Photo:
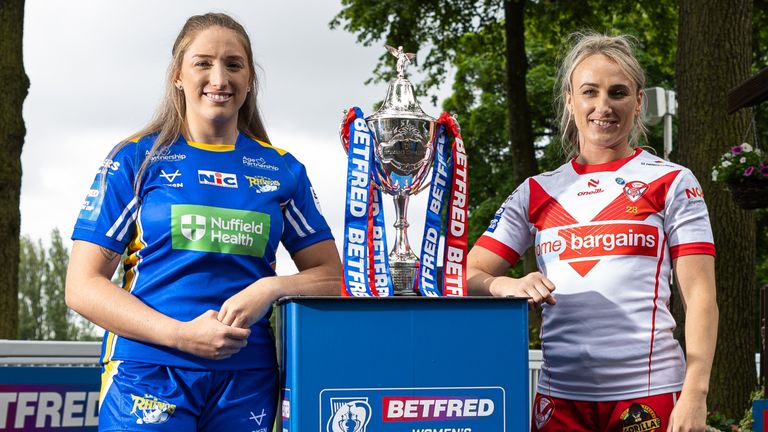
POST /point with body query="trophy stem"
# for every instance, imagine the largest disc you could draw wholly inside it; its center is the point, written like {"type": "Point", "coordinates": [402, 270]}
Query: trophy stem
{"type": "Point", "coordinates": [402, 260]}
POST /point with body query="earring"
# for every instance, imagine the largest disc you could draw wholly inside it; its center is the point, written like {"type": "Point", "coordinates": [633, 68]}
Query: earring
{"type": "Point", "coordinates": [180, 88]}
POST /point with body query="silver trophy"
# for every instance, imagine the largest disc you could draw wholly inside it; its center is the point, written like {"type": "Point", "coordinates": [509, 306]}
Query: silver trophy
{"type": "Point", "coordinates": [404, 149]}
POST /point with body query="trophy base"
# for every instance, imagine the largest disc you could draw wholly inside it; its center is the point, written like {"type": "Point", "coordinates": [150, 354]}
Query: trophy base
{"type": "Point", "coordinates": [404, 278]}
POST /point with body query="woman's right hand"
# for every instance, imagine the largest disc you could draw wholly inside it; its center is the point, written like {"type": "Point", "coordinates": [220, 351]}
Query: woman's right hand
{"type": "Point", "coordinates": [534, 285]}
{"type": "Point", "coordinates": [206, 337]}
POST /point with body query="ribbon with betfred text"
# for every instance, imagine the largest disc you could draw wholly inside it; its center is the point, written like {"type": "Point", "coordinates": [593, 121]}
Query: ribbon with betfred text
{"type": "Point", "coordinates": [450, 168]}
{"type": "Point", "coordinates": [366, 268]}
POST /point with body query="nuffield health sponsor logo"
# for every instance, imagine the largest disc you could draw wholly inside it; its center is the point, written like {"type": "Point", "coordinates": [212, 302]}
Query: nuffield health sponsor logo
{"type": "Point", "coordinates": [216, 229]}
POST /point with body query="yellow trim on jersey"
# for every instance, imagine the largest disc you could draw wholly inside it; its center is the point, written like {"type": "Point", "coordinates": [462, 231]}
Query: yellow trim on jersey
{"type": "Point", "coordinates": [109, 345]}
{"type": "Point", "coordinates": [110, 370]}
{"type": "Point", "coordinates": [129, 283]}
{"type": "Point", "coordinates": [268, 145]}
{"type": "Point", "coordinates": [212, 147]}
{"type": "Point", "coordinates": [134, 247]}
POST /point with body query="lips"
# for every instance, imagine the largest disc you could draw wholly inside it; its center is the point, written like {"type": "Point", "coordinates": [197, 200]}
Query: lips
{"type": "Point", "coordinates": [604, 123]}
{"type": "Point", "coordinates": [218, 97]}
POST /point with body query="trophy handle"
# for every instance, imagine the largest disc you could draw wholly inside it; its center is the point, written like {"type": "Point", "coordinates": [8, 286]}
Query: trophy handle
{"type": "Point", "coordinates": [423, 186]}
{"type": "Point", "coordinates": [344, 139]}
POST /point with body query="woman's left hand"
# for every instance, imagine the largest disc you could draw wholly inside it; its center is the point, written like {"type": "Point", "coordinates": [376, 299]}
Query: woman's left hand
{"type": "Point", "coordinates": [689, 414]}
{"type": "Point", "coordinates": [249, 305]}
{"type": "Point", "coordinates": [319, 274]}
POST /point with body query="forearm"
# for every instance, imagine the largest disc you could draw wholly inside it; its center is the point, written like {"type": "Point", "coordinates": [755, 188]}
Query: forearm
{"type": "Point", "coordinates": [700, 340]}
{"type": "Point", "coordinates": [479, 282]}
{"type": "Point", "coordinates": [324, 280]}
{"type": "Point", "coordinates": [109, 306]}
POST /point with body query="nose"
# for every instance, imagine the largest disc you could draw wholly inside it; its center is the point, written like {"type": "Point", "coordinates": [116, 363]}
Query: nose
{"type": "Point", "coordinates": [603, 104]}
{"type": "Point", "coordinates": [218, 77]}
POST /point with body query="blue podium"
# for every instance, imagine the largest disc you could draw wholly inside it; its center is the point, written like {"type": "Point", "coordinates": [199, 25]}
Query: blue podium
{"type": "Point", "coordinates": [404, 364]}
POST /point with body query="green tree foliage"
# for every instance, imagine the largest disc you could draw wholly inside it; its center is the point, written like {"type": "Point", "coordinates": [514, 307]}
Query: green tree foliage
{"type": "Point", "coordinates": [43, 314]}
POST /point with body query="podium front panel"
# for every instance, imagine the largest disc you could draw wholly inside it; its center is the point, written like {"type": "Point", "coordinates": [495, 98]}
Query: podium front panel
{"type": "Point", "coordinates": [404, 364]}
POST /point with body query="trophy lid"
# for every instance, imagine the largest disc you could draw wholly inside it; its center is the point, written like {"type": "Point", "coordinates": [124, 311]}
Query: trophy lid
{"type": "Point", "coordinates": [400, 100]}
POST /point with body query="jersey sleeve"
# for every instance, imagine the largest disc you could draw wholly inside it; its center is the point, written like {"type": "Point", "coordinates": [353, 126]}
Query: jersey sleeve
{"type": "Point", "coordinates": [686, 221]}
{"type": "Point", "coordinates": [110, 207]}
{"type": "Point", "coordinates": [509, 233]}
{"type": "Point", "coordinates": [304, 222]}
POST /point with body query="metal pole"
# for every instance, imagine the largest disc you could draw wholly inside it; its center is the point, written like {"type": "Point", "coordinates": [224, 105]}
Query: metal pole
{"type": "Point", "coordinates": [667, 135]}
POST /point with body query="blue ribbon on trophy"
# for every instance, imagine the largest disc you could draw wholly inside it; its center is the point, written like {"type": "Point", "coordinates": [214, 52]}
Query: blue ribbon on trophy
{"type": "Point", "coordinates": [393, 151]}
{"type": "Point", "coordinates": [441, 177]}
{"type": "Point", "coordinates": [364, 218]}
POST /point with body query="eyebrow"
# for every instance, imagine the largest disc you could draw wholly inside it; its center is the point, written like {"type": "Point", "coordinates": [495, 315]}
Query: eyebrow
{"type": "Point", "coordinates": [229, 57]}
{"type": "Point", "coordinates": [589, 84]}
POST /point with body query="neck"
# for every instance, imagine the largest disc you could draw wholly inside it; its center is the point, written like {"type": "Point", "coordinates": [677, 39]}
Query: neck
{"type": "Point", "coordinates": [593, 156]}
{"type": "Point", "coordinates": [211, 133]}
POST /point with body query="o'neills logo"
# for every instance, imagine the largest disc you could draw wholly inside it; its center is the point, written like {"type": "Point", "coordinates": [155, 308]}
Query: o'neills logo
{"type": "Point", "coordinates": [593, 241]}
{"type": "Point", "coordinates": [413, 408]}
{"type": "Point", "coordinates": [594, 188]}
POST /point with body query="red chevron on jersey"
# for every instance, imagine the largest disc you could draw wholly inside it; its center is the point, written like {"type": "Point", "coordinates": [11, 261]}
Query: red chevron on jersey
{"type": "Point", "coordinates": [650, 200]}
{"type": "Point", "coordinates": [545, 212]}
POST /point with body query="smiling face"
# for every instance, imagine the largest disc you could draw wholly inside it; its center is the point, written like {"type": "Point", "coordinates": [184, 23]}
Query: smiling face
{"type": "Point", "coordinates": [604, 103]}
{"type": "Point", "coordinates": [215, 76]}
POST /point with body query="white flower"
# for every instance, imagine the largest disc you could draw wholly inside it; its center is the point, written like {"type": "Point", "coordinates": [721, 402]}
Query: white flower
{"type": "Point", "coordinates": [746, 147]}
{"type": "Point", "coordinates": [728, 155]}
{"type": "Point", "coordinates": [714, 175]}
{"type": "Point", "coordinates": [725, 164]}
{"type": "Point", "coordinates": [743, 160]}
{"type": "Point", "coordinates": [758, 152]}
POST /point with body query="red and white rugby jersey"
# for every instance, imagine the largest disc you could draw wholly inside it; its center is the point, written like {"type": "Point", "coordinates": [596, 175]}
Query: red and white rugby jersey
{"type": "Point", "coordinates": [606, 236]}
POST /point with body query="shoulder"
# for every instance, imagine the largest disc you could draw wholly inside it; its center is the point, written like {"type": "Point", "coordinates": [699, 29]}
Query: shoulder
{"type": "Point", "coordinates": [268, 150]}
{"type": "Point", "coordinates": [664, 171]}
{"type": "Point", "coordinates": [651, 161]}
{"type": "Point", "coordinates": [253, 143]}
{"type": "Point", "coordinates": [548, 178]}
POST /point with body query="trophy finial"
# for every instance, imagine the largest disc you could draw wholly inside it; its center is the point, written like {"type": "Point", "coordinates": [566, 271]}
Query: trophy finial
{"type": "Point", "coordinates": [403, 58]}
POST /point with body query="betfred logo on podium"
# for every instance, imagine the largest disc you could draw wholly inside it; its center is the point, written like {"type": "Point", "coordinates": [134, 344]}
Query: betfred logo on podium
{"type": "Point", "coordinates": [433, 409]}
{"type": "Point", "coordinates": [411, 408]}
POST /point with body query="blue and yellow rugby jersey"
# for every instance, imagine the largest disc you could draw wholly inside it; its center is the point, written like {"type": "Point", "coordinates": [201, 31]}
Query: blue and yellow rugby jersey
{"type": "Point", "coordinates": [206, 224]}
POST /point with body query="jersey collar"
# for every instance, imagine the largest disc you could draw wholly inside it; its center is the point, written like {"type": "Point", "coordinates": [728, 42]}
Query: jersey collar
{"type": "Point", "coordinates": [608, 166]}
{"type": "Point", "coordinates": [213, 147]}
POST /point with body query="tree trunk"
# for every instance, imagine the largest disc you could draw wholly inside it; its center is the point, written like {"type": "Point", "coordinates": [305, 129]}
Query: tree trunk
{"type": "Point", "coordinates": [519, 115]}
{"type": "Point", "coordinates": [12, 131]}
{"type": "Point", "coordinates": [523, 158]}
{"type": "Point", "coordinates": [714, 55]}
